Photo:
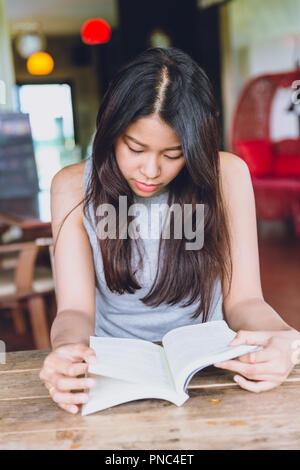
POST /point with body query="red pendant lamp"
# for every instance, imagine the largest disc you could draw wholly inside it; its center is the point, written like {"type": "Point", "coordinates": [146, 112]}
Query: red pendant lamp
{"type": "Point", "coordinates": [95, 31]}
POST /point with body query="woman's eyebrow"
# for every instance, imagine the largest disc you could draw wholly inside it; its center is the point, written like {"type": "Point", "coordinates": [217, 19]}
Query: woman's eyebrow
{"type": "Point", "coordinates": [143, 145]}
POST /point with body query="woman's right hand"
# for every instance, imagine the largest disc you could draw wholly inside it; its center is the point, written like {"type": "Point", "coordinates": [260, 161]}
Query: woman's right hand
{"type": "Point", "coordinates": [59, 373]}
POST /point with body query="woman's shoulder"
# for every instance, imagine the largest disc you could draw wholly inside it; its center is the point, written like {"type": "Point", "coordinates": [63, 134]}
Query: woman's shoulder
{"type": "Point", "coordinates": [67, 188]}
{"type": "Point", "coordinates": [235, 178]}
{"type": "Point", "coordinates": [70, 179]}
{"type": "Point", "coordinates": [230, 162]}
{"type": "Point", "coordinates": [233, 168]}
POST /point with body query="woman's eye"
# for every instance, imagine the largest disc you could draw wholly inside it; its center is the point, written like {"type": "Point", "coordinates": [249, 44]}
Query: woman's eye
{"type": "Point", "coordinates": [173, 158]}
{"type": "Point", "coordinates": [141, 151]}
{"type": "Point", "coordinates": [135, 151]}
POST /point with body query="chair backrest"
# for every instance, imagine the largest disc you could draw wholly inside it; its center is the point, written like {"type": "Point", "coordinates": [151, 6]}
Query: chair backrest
{"type": "Point", "coordinates": [24, 265]}
{"type": "Point", "coordinates": [44, 241]}
{"type": "Point", "coordinates": [251, 118]}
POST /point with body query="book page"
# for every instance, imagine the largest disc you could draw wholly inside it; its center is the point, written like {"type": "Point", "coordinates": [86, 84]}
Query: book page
{"type": "Point", "coordinates": [110, 392]}
{"type": "Point", "coordinates": [193, 347]}
{"type": "Point", "coordinates": [132, 360]}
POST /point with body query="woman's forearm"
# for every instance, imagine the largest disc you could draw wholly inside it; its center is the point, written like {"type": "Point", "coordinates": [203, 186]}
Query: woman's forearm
{"type": "Point", "coordinates": [254, 314]}
{"type": "Point", "coordinates": [71, 327]}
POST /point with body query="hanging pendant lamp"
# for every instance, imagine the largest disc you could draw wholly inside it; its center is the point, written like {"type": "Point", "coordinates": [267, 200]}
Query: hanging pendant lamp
{"type": "Point", "coordinates": [40, 63]}
{"type": "Point", "coordinates": [95, 31]}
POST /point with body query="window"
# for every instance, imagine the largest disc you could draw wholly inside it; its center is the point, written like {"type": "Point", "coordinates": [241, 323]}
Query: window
{"type": "Point", "coordinates": [52, 124]}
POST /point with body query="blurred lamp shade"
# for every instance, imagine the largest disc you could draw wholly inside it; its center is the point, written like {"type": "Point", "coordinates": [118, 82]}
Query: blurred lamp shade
{"type": "Point", "coordinates": [29, 43]}
{"type": "Point", "coordinates": [40, 63]}
{"type": "Point", "coordinates": [95, 31]}
{"type": "Point", "coordinates": [159, 38]}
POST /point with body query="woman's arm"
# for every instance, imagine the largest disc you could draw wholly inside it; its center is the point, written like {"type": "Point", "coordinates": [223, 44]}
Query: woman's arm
{"type": "Point", "coordinates": [64, 367]}
{"type": "Point", "coordinates": [74, 269]}
{"type": "Point", "coordinates": [244, 307]}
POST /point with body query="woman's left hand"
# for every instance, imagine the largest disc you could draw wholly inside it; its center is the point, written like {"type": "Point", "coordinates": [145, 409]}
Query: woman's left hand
{"type": "Point", "coordinates": [270, 366]}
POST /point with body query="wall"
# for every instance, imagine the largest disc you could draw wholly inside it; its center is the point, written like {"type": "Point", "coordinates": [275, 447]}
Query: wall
{"type": "Point", "coordinates": [7, 79]}
{"type": "Point", "coordinates": [85, 80]}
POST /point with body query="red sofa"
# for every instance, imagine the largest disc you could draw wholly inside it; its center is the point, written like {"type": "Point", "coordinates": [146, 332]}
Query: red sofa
{"type": "Point", "coordinates": [267, 159]}
{"type": "Point", "coordinates": [275, 173]}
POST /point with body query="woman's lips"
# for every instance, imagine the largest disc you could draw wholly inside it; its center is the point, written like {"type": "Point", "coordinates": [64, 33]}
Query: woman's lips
{"type": "Point", "coordinates": [146, 187]}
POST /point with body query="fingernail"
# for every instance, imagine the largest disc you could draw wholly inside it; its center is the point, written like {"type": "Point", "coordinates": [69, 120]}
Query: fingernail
{"type": "Point", "coordinates": [73, 409]}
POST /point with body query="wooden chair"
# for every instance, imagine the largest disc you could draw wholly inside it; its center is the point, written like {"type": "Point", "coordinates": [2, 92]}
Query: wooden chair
{"type": "Point", "coordinates": [28, 283]}
{"type": "Point", "coordinates": [276, 184]}
{"type": "Point", "coordinates": [45, 241]}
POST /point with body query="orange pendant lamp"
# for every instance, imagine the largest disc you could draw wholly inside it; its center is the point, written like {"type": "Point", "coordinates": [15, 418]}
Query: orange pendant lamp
{"type": "Point", "coordinates": [95, 31]}
{"type": "Point", "coordinates": [40, 63]}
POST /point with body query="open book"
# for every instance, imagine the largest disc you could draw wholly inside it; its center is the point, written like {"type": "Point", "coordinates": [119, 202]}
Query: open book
{"type": "Point", "coordinates": [132, 369]}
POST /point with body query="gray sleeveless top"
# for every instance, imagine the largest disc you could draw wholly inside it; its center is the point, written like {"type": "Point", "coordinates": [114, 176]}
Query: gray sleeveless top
{"type": "Point", "coordinates": [125, 315]}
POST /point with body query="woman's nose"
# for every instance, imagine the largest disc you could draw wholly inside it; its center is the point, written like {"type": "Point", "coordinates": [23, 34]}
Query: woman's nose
{"type": "Point", "coordinates": [150, 168]}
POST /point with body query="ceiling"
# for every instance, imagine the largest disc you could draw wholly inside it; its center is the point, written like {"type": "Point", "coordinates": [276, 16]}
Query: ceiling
{"type": "Point", "coordinates": [65, 17]}
{"type": "Point", "coordinates": [58, 17]}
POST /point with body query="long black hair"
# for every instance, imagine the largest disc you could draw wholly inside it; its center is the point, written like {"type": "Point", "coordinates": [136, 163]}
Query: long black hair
{"type": "Point", "coordinates": [169, 83]}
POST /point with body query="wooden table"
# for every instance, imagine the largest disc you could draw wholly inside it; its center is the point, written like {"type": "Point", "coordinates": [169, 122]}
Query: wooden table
{"type": "Point", "coordinates": [218, 415]}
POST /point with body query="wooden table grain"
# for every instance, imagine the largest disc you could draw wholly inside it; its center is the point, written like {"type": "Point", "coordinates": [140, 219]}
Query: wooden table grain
{"type": "Point", "coordinates": [218, 415]}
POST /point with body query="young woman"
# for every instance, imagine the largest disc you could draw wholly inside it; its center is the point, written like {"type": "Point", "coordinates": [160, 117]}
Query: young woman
{"type": "Point", "coordinates": [157, 142]}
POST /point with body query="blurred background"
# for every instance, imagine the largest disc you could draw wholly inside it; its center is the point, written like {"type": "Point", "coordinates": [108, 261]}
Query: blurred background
{"type": "Point", "coordinates": [56, 59]}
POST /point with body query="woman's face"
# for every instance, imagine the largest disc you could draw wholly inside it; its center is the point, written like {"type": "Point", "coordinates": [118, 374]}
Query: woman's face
{"type": "Point", "coordinates": [149, 153]}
